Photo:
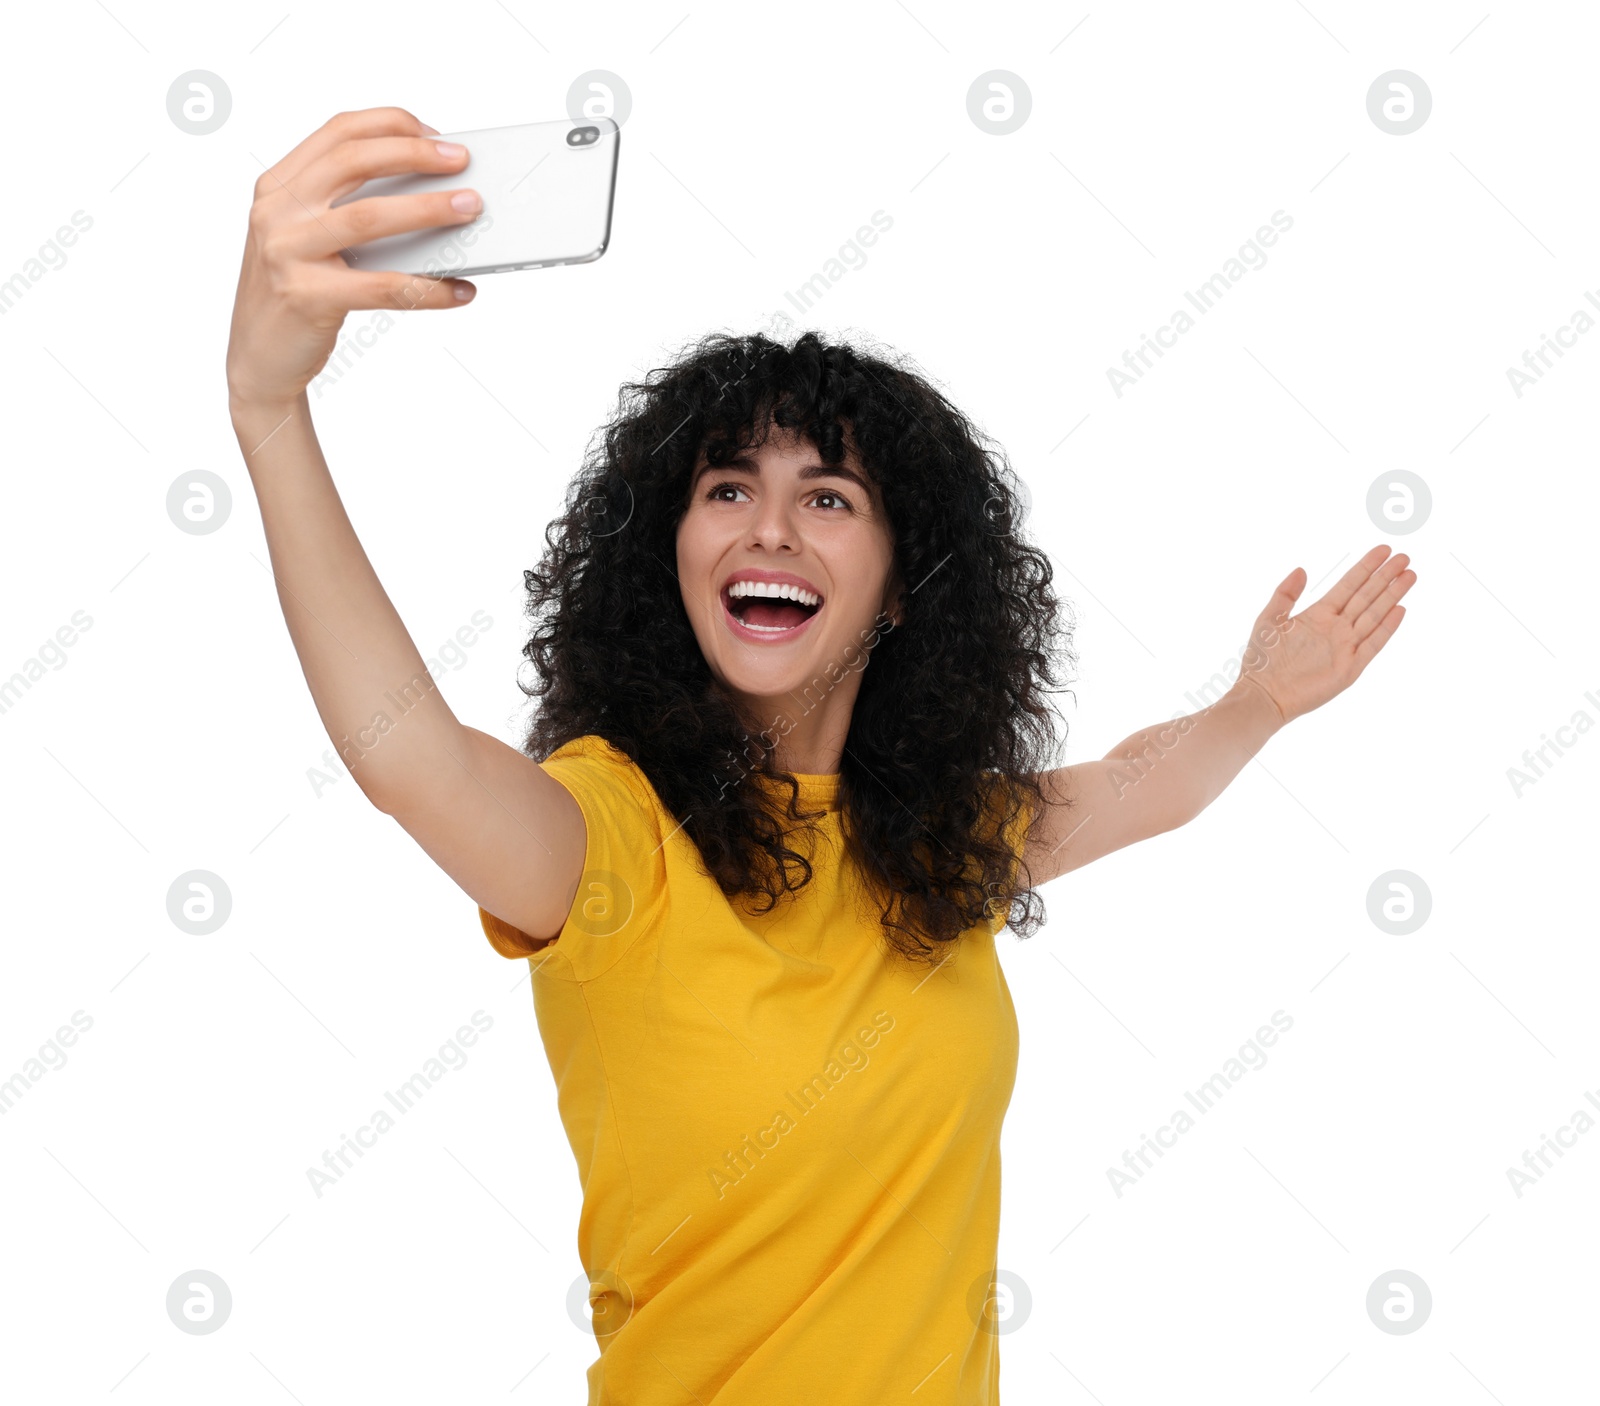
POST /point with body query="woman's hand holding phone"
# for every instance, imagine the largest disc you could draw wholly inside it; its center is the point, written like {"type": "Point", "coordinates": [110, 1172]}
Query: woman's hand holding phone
{"type": "Point", "coordinates": [294, 286]}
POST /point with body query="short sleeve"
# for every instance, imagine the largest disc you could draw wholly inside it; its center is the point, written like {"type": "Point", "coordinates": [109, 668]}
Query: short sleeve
{"type": "Point", "coordinates": [507, 940]}
{"type": "Point", "coordinates": [622, 890]}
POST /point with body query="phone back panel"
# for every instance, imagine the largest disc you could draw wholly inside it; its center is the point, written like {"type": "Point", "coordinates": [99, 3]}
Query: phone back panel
{"type": "Point", "coordinates": [544, 202]}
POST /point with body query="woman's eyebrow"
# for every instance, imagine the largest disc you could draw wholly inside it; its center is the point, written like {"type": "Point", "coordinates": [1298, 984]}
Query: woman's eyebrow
{"type": "Point", "coordinates": [748, 465]}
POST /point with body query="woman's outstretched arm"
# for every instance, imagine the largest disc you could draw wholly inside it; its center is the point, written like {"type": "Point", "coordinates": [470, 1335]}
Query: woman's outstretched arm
{"type": "Point", "coordinates": [1163, 776]}
{"type": "Point", "coordinates": [505, 830]}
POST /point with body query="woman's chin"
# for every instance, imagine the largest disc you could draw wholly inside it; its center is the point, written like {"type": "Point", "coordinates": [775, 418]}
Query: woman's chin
{"type": "Point", "coordinates": [786, 682]}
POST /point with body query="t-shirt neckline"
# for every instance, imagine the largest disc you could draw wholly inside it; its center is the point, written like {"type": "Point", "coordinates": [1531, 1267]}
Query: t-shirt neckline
{"type": "Point", "coordinates": [818, 790]}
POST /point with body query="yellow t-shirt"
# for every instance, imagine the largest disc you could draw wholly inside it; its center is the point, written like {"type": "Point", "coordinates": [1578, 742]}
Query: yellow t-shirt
{"type": "Point", "coordinates": [788, 1140]}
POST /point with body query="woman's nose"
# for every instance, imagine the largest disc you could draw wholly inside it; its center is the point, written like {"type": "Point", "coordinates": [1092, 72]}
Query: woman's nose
{"type": "Point", "coordinates": [774, 524]}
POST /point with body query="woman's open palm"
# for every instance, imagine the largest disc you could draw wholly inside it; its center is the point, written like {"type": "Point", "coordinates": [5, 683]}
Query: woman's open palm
{"type": "Point", "coordinates": [1302, 661]}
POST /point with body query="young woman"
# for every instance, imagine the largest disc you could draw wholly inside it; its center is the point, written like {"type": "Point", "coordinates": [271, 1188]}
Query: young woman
{"type": "Point", "coordinates": [788, 775]}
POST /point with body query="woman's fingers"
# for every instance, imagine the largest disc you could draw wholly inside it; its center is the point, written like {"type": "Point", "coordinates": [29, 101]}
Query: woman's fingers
{"type": "Point", "coordinates": [349, 290]}
{"type": "Point", "coordinates": [346, 226]}
{"type": "Point", "coordinates": [342, 127]}
{"type": "Point", "coordinates": [1352, 581]}
{"type": "Point", "coordinates": [1375, 585]}
{"type": "Point", "coordinates": [1377, 611]}
{"type": "Point", "coordinates": [1379, 637]}
{"type": "Point", "coordinates": [344, 167]}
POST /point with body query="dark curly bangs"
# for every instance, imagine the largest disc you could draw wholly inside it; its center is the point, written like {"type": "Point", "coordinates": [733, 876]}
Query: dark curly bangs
{"type": "Point", "coordinates": [953, 719]}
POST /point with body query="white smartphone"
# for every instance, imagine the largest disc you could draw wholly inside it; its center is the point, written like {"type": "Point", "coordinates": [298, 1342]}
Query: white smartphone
{"type": "Point", "coordinates": [547, 191]}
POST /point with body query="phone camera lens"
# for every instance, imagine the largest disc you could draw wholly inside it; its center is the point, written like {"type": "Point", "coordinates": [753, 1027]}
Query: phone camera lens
{"type": "Point", "coordinates": [583, 136]}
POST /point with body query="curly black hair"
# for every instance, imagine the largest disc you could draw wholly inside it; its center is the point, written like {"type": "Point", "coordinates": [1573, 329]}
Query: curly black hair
{"type": "Point", "coordinates": [951, 723]}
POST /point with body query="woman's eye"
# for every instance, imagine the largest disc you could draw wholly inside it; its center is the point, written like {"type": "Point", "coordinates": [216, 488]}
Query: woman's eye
{"type": "Point", "coordinates": [827, 499]}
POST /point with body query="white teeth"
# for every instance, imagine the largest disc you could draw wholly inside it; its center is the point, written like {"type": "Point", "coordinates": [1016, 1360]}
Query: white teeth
{"type": "Point", "coordinates": [768, 629]}
{"type": "Point", "coordinates": [773, 590]}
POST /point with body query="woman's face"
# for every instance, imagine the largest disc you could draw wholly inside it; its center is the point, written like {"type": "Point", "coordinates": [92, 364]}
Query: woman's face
{"type": "Point", "coordinates": [782, 518]}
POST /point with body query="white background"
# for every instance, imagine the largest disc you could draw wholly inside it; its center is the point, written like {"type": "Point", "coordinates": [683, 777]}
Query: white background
{"type": "Point", "coordinates": [179, 732]}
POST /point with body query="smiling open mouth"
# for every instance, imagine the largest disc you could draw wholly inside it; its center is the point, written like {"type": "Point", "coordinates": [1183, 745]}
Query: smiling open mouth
{"type": "Point", "coordinates": [765, 608]}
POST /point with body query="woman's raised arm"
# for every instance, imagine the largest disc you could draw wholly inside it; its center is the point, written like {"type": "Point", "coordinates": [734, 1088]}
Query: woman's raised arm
{"type": "Point", "coordinates": [1164, 776]}
{"type": "Point", "coordinates": [497, 823]}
